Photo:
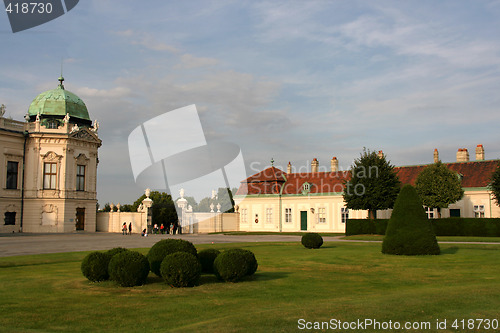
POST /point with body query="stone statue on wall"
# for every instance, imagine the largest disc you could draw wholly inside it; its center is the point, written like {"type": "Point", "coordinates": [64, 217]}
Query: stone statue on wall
{"type": "Point", "coordinates": [66, 118]}
{"type": "Point", "coordinates": [95, 126]}
{"type": "Point", "coordinates": [2, 110]}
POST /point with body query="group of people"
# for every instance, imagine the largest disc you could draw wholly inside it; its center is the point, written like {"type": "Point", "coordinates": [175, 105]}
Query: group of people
{"type": "Point", "coordinates": [172, 229]}
{"type": "Point", "coordinates": [127, 230]}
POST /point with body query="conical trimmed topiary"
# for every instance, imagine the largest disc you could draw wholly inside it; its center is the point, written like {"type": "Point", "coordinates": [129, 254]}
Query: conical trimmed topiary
{"type": "Point", "coordinates": [409, 232]}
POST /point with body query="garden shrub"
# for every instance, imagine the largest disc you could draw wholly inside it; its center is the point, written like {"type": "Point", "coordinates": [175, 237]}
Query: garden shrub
{"type": "Point", "coordinates": [116, 250]}
{"type": "Point", "coordinates": [249, 258]}
{"type": "Point", "coordinates": [95, 266]}
{"type": "Point", "coordinates": [448, 226]}
{"type": "Point", "coordinates": [161, 249]}
{"type": "Point", "coordinates": [231, 266]}
{"type": "Point", "coordinates": [312, 240]}
{"type": "Point", "coordinates": [365, 226]}
{"type": "Point", "coordinates": [409, 232]}
{"type": "Point", "coordinates": [181, 269]}
{"type": "Point", "coordinates": [207, 258]}
{"type": "Point", "coordinates": [129, 268]}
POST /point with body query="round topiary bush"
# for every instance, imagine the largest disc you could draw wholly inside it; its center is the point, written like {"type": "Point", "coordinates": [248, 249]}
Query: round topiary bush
{"type": "Point", "coordinates": [181, 269]}
{"type": "Point", "coordinates": [207, 258]}
{"type": "Point", "coordinates": [250, 259]}
{"type": "Point", "coordinates": [161, 249]}
{"type": "Point", "coordinates": [129, 268]}
{"type": "Point", "coordinates": [95, 266]}
{"type": "Point", "coordinates": [409, 231]}
{"type": "Point", "coordinates": [312, 240]}
{"type": "Point", "coordinates": [116, 250]}
{"type": "Point", "coordinates": [231, 266]}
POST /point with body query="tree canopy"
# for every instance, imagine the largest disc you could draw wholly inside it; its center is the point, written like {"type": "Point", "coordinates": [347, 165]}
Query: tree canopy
{"type": "Point", "coordinates": [224, 197]}
{"type": "Point", "coordinates": [163, 208]}
{"type": "Point", "coordinates": [438, 186]}
{"type": "Point", "coordinates": [374, 185]}
{"type": "Point", "coordinates": [495, 184]}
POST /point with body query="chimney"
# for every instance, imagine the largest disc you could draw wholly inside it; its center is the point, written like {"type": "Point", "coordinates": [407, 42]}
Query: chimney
{"type": "Point", "coordinates": [314, 165]}
{"type": "Point", "coordinates": [289, 168]}
{"type": "Point", "coordinates": [462, 155]}
{"type": "Point", "coordinates": [334, 164]}
{"type": "Point", "coordinates": [380, 154]}
{"type": "Point", "coordinates": [436, 156]}
{"type": "Point", "coordinates": [479, 153]}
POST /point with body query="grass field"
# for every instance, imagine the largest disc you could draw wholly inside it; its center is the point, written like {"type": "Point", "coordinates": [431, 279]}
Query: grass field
{"type": "Point", "coordinates": [343, 281]}
{"type": "Point", "coordinates": [439, 238]}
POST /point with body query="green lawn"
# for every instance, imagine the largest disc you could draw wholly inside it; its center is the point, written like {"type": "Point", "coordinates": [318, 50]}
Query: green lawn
{"type": "Point", "coordinates": [246, 233]}
{"type": "Point", "coordinates": [344, 281]}
{"type": "Point", "coordinates": [439, 238]}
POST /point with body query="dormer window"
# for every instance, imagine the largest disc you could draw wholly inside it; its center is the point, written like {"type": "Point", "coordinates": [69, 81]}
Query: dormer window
{"type": "Point", "coordinates": [52, 124]}
{"type": "Point", "coordinates": [306, 187]}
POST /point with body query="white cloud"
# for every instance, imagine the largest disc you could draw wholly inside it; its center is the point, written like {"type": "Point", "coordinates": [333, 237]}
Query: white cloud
{"type": "Point", "coordinates": [145, 39]}
{"type": "Point", "coordinates": [117, 92]}
{"type": "Point", "coordinates": [189, 61]}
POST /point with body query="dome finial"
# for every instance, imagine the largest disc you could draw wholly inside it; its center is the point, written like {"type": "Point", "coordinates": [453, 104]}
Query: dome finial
{"type": "Point", "coordinates": [61, 80]}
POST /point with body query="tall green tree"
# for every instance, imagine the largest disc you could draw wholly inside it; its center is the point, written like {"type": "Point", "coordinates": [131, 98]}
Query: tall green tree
{"type": "Point", "coordinates": [495, 184]}
{"type": "Point", "coordinates": [163, 208]}
{"type": "Point", "coordinates": [374, 185]}
{"type": "Point", "coordinates": [438, 186]}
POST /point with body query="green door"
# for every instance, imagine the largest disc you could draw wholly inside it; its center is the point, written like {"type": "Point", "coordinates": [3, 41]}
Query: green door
{"type": "Point", "coordinates": [303, 220]}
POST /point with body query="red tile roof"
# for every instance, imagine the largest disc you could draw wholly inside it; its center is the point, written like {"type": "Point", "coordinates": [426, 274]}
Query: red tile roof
{"type": "Point", "coordinates": [270, 180]}
{"type": "Point", "coordinates": [474, 173]}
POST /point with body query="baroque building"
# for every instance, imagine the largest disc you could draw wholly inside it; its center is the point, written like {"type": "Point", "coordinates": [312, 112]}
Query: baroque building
{"type": "Point", "coordinates": [48, 166]}
{"type": "Point", "coordinates": [312, 200]}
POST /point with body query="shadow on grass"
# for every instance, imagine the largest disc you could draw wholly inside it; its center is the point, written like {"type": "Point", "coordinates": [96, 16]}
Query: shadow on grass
{"type": "Point", "coordinates": [450, 250]}
{"type": "Point", "coordinates": [268, 276]}
{"type": "Point", "coordinates": [258, 276]}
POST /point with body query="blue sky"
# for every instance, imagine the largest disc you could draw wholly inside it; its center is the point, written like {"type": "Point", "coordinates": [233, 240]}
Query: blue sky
{"type": "Point", "coordinates": [291, 80]}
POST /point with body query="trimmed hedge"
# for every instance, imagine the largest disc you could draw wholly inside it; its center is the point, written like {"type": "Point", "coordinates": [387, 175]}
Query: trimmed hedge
{"type": "Point", "coordinates": [129, 268]}
{"type": "Point", "coordinates": [95, 266]}
{"type": "Point", "coordinates": [231, 266]}
{"type": "Point", "coordinates": [181, 269]}
{"type": "Point", "coordinates": [161, 249]}
{"type": "Point", "coordinates": [453, 226]}
{"type": "Point", "coordinates": [312, 240]}
{"type": "Point", "coordinates": [366, 227]}
{"type": "Point", "coordinates": [462, 226]}
{"type": "Point", "coordinates": [249, 258]}
{"type": "Point", "coordinates": [207, 258]}
{"type": "Point", "coordinates": [116, 250]}
{"type": "Point", "coordinates": [409, 231]}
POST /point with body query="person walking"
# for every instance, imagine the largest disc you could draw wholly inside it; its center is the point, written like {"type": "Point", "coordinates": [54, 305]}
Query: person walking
{"type": "Point", "coordinates": [171, 228]}
{"type": "Point", "coordinates": [124, 228]}
{"type": "Point", "coordinates": [130, 228]}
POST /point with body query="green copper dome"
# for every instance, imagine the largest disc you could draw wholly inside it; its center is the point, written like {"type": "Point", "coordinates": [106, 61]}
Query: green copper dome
{"type": "Point", "coordinates": [58, 102]}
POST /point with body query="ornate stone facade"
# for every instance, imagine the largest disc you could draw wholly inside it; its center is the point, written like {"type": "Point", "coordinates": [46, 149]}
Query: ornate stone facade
{"type": "Point", "coordinates": [48, 171]}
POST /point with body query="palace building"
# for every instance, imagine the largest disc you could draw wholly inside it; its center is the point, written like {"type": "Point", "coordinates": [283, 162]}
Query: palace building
{"type": "Point", "coordinates": [48, 166]}
{"type": "Point", "coordinates": [275, 200]}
